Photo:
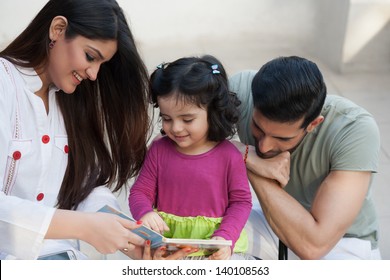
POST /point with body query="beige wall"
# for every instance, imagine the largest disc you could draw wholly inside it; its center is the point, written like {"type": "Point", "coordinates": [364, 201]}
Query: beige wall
{"type": "Point", "coordinates": [347, 35]}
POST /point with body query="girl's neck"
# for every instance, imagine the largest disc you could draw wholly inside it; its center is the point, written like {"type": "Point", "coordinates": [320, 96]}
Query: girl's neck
{"type": "Point", "coordinates": [198, 149]}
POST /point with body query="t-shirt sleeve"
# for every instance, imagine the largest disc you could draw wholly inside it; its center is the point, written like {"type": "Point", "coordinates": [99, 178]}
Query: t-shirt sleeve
{"type": "Point", "coordinates": [241, 84]}
{"type": "Point", "coordinates": [358, 146]}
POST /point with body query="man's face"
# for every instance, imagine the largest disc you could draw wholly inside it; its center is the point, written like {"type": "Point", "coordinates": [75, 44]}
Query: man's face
{"type": "Point", "coordinates": [273, 138]}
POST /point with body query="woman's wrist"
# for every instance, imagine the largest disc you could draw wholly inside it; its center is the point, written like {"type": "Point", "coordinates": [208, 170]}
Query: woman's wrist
{"type": "Point", "coordinates": [66, 224]}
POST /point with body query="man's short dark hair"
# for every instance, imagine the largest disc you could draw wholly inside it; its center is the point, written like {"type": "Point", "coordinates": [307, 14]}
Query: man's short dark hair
{"type": "Point", "coordinates": [287, 89]}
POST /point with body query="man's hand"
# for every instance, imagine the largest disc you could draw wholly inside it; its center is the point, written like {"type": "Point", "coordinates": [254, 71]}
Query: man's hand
{"type": "Point", "coordinates": [276, 168]}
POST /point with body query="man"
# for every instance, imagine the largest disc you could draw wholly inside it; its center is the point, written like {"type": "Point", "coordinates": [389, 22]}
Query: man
{"type": "Point", "coordinates": [310, 161]}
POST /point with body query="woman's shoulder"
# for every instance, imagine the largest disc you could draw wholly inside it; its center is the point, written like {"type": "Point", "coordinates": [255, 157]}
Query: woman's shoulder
{"type": "Point", "coordinates": [15, 76]}
{"type": "Point", "coordinates": [6, 76]}
{"type": "Point", "coordinates": [5, 69]}
{"type": "Point", "coordinates": [8, 69]}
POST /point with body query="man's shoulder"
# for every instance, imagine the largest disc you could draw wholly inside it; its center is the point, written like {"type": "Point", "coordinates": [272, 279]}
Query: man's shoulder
{"type": "Point", "coordinates": [243, 77]}
{"type": "Point", "coordinates": [248, 73]}
{"type": "Point", "coordinates": [340, 106]}
{"type": "Point", "coordinates": [345, 120]}
{"type": "Point", "coordinates": [241, 84]}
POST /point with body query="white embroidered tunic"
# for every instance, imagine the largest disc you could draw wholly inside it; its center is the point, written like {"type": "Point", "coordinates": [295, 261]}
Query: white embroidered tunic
{"type": "Point", "coordinates": [33, 160]}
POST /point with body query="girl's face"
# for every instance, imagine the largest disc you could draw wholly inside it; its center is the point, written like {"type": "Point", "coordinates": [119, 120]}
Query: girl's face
{"type": "Point", "coordinates": [186, 124]}
{"type": "Point", "coordinates": [72, 61]}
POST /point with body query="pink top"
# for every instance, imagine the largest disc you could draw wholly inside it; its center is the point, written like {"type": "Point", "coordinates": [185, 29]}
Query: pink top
{"type": "Point", "coordinates": [212, 184]}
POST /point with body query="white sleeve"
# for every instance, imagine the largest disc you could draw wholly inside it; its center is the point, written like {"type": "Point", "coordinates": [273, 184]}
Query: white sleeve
{"type": "Point", "coordinates": [99, 197]}
{"type": "Point", "coordinates": [23, 226]}
{"type": "Point", "coordinates": [5, 116]}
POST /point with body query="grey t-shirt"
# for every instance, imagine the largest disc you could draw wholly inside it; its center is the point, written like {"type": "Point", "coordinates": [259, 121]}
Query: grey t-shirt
{"type": "Point", "coordinates": [347, 139]}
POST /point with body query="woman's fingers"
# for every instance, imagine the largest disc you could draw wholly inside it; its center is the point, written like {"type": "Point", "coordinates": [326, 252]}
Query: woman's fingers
{"type": "Point", "coordinates": [147, 254]}
{"type": "Point", "coordinates": [135, 240]}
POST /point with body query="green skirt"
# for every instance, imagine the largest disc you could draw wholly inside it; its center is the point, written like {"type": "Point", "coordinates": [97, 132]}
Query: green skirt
{"type": "Point", "coordinates": [199, 227]}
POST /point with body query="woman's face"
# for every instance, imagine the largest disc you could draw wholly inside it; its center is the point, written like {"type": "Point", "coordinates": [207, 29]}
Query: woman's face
{"type": "Point", "coordinates": [73, 60]}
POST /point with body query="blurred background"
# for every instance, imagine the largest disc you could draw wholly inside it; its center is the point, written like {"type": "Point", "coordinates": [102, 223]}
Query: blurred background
{"type": "Point", "coordinates": [348, 39]}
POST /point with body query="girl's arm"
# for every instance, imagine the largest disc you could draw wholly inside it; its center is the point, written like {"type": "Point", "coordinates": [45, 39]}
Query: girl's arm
{"type": "Point", "coordinates": [143, 192]}
{"type": "Point", "coordinates": [240, 201]}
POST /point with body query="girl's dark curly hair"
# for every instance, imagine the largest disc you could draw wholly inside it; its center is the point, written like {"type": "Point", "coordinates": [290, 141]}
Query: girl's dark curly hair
{"type": "Point", "coordinates": [201, 81]}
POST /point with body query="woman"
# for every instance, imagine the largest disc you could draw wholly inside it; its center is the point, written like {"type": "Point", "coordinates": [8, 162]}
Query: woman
{"type": "Point", "coordinates": [73, 108]}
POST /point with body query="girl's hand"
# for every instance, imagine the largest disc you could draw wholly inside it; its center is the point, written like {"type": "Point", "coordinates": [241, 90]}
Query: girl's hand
{"type": "Point", "coordinates": [222, 254]}
{"type": "Point", "coordinates": [155, 222]}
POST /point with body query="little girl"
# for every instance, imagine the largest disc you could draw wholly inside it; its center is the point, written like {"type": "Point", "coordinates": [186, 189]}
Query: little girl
{"type": "Point", "coordinates": [193, 183]}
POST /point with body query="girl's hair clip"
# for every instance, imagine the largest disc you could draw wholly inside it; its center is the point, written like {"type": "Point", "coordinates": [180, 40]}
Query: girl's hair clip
{"type": "Point", "coordinates": [214, 67]}
{"type": "Point", "coordinates": [162, 65]}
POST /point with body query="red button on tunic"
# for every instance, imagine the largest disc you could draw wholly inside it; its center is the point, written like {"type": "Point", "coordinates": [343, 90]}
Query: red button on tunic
{"type": "Point", "coordinates": [40, 196]}
{"type": "Point", "coordinates": [45, 139]}
{"type": "Point", "coordinates": [17, 155]}
{"type": "Point", "coordinates": [66, 149]}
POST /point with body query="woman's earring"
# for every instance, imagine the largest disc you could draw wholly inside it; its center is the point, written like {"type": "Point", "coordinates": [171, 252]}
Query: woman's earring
{"type": "Point", "coordinates": [51, 44]}
{"type": "Point", "coordinates": [162, 132]}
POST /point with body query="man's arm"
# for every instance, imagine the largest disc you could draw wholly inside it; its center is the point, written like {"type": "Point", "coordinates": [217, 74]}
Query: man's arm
{"type": "Point", "coordinates": [312, 234]}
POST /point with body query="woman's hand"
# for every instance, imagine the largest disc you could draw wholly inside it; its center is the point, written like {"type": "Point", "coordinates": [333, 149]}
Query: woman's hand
{"type": "Point", "coordinates": [109, 233]}
{"type": "Point", "coordinates": [222, 254]}
{"type": "Point", "coordinates": [155, 222]}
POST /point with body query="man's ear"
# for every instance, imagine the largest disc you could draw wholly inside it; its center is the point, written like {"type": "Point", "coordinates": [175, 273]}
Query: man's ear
{"type": "Point", "coordinates": [57, 27]}
{"type": "Point", "coordinates": [317, 121]}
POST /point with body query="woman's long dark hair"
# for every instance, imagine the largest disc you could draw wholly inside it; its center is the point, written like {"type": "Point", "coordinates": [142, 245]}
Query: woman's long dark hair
{"type": "Point", "coordinates": [106, 120]}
